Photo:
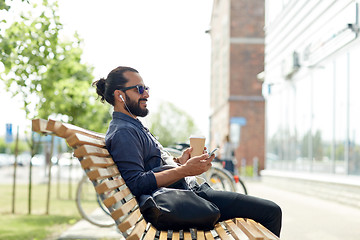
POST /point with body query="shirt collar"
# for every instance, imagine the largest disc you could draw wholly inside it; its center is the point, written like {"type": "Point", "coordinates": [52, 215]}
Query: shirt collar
{"type": "Point", "coordinates": [124, 117]}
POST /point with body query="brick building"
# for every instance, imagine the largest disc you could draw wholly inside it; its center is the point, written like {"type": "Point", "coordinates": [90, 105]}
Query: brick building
{"type": "Point", "coordinates": [237, 104]}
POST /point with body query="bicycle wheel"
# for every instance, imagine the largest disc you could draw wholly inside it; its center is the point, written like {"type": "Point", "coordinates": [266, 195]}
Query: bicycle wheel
{"type": "Point", "coordinates": [90, 206]}
{"type": "Point", "coordinates": [220, 179]}
{"type": "Point", "coordinates": [241, 187]}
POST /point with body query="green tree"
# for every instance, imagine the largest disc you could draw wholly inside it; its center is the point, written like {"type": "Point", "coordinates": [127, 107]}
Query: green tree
{"type": "Point", "coordinates": [339, 151]}
{"type": "Point", "coordinates": [317, 142]}
{"type": "Point", "coordinates": [3, 145]}
{"type": "Point", "coordinates": [48, 72]}
{"type": "Point", "coordinates": [22, 147]}
{"type": "Point", "coordinates": [4, 6]}
{"type": "Point", "coordinates": [305, 145]}
{"type": "Point", "coordinates": [170, 124]}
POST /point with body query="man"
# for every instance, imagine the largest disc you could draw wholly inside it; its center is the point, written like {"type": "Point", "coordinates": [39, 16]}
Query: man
{"type": "Point", "coordinates": [136, 153]}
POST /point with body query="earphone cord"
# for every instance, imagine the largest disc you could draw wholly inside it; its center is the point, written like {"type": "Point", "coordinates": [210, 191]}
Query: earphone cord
{"type": "Point", "coordinates": [129, 110]}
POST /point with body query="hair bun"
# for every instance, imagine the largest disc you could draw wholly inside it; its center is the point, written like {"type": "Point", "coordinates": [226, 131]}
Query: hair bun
{"type": "Point", "coordinates": [100, 88]}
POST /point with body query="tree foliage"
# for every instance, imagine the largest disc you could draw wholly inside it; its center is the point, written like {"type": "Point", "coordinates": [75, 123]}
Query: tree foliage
{"type": "Point", "coordinates": [22, 146]}
{"type": "Point", "coordinates": [171, 124]}
{"type": "Point", "coordinates": [3, 5]}
{"type": "Point", "coordinates": [317, 143]}
{"type": "Point", "coordinates": [47, 71]}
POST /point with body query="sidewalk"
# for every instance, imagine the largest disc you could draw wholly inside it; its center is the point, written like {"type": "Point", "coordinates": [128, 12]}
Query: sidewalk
{"type": "Point", "coordinates": [308, 218]}
{"type": "Point", "coordinates": [304, 217]}
{"type": "Point", "coordinates": [85, 230]}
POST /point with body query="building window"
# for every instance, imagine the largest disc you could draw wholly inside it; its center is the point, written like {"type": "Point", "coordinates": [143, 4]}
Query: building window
{"type": "Point", "coordinates": [322, 131]}
{"type": "Point", "coordinates": [354, 113]}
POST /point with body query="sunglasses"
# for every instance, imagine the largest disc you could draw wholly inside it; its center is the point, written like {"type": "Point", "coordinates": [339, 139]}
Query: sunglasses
{"type": "Point", "coordinates": [141, 89]}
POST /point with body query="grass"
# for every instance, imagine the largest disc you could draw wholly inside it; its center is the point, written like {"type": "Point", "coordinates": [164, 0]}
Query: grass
{"type": "Point", "coordinates": [16, 227]}
{"type": "Point", "coordinates": [39, 225]}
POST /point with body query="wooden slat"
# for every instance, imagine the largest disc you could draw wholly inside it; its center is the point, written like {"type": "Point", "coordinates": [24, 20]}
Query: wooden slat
{"type": "Point", "coordinates": [86, 150]}
{"type": "Point", "coordinates": [109, 185]}
{"type": "Point", "coordinates": [66, 129]}
{"type": "Point", "coordinates": [266, 232]}
{"type": "Point", "coordinates": [39, 125]}
{"type": "Point", "coordinates": [200, 235]}
{"type": "Point", "coordinates": [150, 234]}
{"type": "Point", "coordinates": [138, 231]}
{"type": "Point", "coordinates": [53, 125]}
{"type": "Point", "coordinates": [102, 173]}
{"type": "Point", "coordinates": [221, 232]}
{"type": "Point", "coordinates": [209, 236]}
{"type": "Point", "coordinates": [163, 235]}
{"type": "Point", "coordinates": [176, 235]}
{"type": "Point", "coordinates": [249, 230]}
{"type": "Point", "coordinates": [187, 236]}
{"type": "Point", "coordinates": [130, 220]}
{"type": "Point", "coordinates": [235, 231]}
{"type": "Point", "coordinates": [94, 161]}
{"type": "Point", "coordinates": [61, 131]}
{"type": "Point", "coordinates": [78, 139]}
{"type": "Point", "coordinates": [124, 209]}
{"type": "Point", "coordinates": [117, 197]}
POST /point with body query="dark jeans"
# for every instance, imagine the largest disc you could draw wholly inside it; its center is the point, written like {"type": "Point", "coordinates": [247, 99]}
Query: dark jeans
{"type": "Point", "coordinates": [234, 205]}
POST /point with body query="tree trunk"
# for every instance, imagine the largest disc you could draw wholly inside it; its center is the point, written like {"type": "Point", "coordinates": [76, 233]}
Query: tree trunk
{"type": "Point", "coordinates": [49, 173]}
{"type": "Point", "coordinates": [15, 168]}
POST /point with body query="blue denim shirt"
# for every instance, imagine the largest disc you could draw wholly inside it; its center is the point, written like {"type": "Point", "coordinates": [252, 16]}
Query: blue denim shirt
{"type": "Point", "coordinates": [135, 151]}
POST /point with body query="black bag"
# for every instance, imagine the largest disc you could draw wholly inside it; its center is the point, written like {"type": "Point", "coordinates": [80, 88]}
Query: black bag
{"type": "Point", "coordinates": [176, 209]}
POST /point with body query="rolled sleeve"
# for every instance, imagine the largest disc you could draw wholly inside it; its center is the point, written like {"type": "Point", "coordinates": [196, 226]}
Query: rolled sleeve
{"type": "Point", "coordinates": [127, 150]}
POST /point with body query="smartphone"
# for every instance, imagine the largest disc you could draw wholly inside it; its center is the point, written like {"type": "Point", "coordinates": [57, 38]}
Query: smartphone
{"type": "Point", "coordinates": [213, 151]}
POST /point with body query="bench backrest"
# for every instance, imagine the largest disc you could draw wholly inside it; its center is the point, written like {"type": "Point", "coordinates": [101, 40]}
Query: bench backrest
{"type": "Point", "coordinates": [89, 148]}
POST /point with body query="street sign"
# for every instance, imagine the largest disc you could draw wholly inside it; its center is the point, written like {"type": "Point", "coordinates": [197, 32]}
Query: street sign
{"type": "Point", "coordinates": [8, 136]}
{"type": "Point", "coordinates": [238, 120]}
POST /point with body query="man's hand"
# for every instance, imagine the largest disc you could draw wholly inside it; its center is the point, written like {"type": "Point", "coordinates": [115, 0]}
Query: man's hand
{"type": "Point", "coordinates": [191, 167]}
{"type": "Point", "coordinates": [198, 165]}
{"type": "Point", "coordinates": [185, 156]}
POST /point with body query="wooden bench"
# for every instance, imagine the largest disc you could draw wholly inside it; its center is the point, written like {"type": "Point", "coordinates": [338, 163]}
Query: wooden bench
{"type": "Point", "coordinates": [89, 148]}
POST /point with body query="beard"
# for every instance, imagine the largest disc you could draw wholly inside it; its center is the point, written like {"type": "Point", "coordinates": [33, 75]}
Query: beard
{"type": "Point", "coordinates": [134, 107]}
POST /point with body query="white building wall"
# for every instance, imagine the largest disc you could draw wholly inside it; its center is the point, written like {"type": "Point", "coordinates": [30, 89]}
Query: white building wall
{"type": "Point", "coordinates": [310, 98]}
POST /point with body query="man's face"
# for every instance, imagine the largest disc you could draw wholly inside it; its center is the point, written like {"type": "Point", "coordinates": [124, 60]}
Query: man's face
{"type": "Point", "coordinates": [136, 107]}
{"type": "Point", "coordinates": [135, 102]}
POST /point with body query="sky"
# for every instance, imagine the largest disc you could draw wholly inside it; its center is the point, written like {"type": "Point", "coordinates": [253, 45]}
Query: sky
{"type": "Point", "coordinates": [164, 40]}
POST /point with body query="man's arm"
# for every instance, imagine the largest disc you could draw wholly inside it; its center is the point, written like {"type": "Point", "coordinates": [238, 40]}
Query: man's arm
{"type": "Point", "coordinates": [126, 150]}
{"type": "Point", "coordinates": [192, 167]}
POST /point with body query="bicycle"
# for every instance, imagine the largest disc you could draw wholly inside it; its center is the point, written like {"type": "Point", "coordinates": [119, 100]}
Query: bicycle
{"type": "Point", "coordinates": [90, 206]}
{"type": "Point", "coordinates": [218, 177]}
{"type": "Point", "coordinates": [222, 179]}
